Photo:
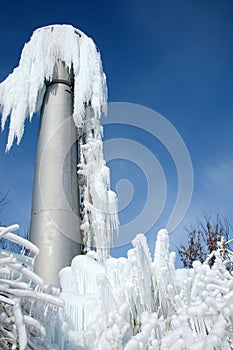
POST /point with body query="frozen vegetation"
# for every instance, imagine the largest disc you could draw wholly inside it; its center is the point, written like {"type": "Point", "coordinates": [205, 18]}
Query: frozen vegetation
{"type": "Point", "coordinates": [133, 303]}
{"type": "Point", "coordinates": [28, 306]}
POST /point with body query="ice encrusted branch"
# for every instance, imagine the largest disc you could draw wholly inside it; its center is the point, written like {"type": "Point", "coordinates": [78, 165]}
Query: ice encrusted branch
{"type": "Point", "coordinates": [27, 305]}
{"type": "Point", "coordinates": [22, 92]}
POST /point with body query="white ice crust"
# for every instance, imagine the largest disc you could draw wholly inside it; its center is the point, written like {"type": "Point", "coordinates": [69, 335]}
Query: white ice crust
{"type": "Point", "coordinates": [22, 92]}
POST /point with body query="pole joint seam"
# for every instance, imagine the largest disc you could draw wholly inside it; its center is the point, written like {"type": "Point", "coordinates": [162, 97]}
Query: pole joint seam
{"type": "Point", "coordinates": [60, 81]}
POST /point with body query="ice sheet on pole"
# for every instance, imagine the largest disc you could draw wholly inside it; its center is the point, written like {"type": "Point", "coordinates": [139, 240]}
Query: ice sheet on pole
{"type": "Point", "coordinates": [22, 92]}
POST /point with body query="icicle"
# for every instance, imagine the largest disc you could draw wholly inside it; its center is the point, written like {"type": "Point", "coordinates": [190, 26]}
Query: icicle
{"type": "Point", "coordinates": [144, 272]}
{"type": "Point", "coordinates": [99, 211]}
{"type": "Point", "coordinates": [163, 275]}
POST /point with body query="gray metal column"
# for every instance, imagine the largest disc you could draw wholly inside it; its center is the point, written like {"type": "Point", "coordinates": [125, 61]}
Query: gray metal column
{"type": "Point", "coordinates": [55, 227]}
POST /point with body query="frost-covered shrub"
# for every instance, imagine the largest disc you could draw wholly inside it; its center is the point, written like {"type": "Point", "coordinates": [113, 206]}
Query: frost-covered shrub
{"type": "Point", "coordinates": [28, 306]}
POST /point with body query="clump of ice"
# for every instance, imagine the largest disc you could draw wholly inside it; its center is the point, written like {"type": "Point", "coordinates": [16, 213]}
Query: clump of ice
{"type": "Point", "coordinates": [22, 92]}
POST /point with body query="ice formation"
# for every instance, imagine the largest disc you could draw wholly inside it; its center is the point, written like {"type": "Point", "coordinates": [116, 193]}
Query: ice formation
{"type": "Point", "coordinates": [134, 303]}
{"type": "Point", "coordinates": [98, 203]}
{"type": "Point", "coordinates": [28, 306]}
{"type": "Point", "coordinates": [140, 303]}
{"type": "Point", "coordinates": [22, 92]}
{"type": "Point", "coordinates": [21, 95]}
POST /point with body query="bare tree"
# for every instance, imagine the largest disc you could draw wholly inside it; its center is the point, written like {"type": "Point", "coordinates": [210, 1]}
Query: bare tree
{"type": "Point", "coordinates": [204, 239]}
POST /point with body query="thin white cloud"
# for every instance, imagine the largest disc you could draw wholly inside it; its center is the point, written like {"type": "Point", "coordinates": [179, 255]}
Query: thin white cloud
{"type": "Point", "coordinates": [218, 178]}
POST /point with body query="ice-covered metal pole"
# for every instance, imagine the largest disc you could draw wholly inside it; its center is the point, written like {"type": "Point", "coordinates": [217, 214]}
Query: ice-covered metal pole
{"type": "Point", "coordinates": [55, 227]}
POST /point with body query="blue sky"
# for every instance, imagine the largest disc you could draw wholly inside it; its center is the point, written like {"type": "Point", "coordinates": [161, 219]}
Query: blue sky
{"type": "Point", "coordinates": [174, 57]}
